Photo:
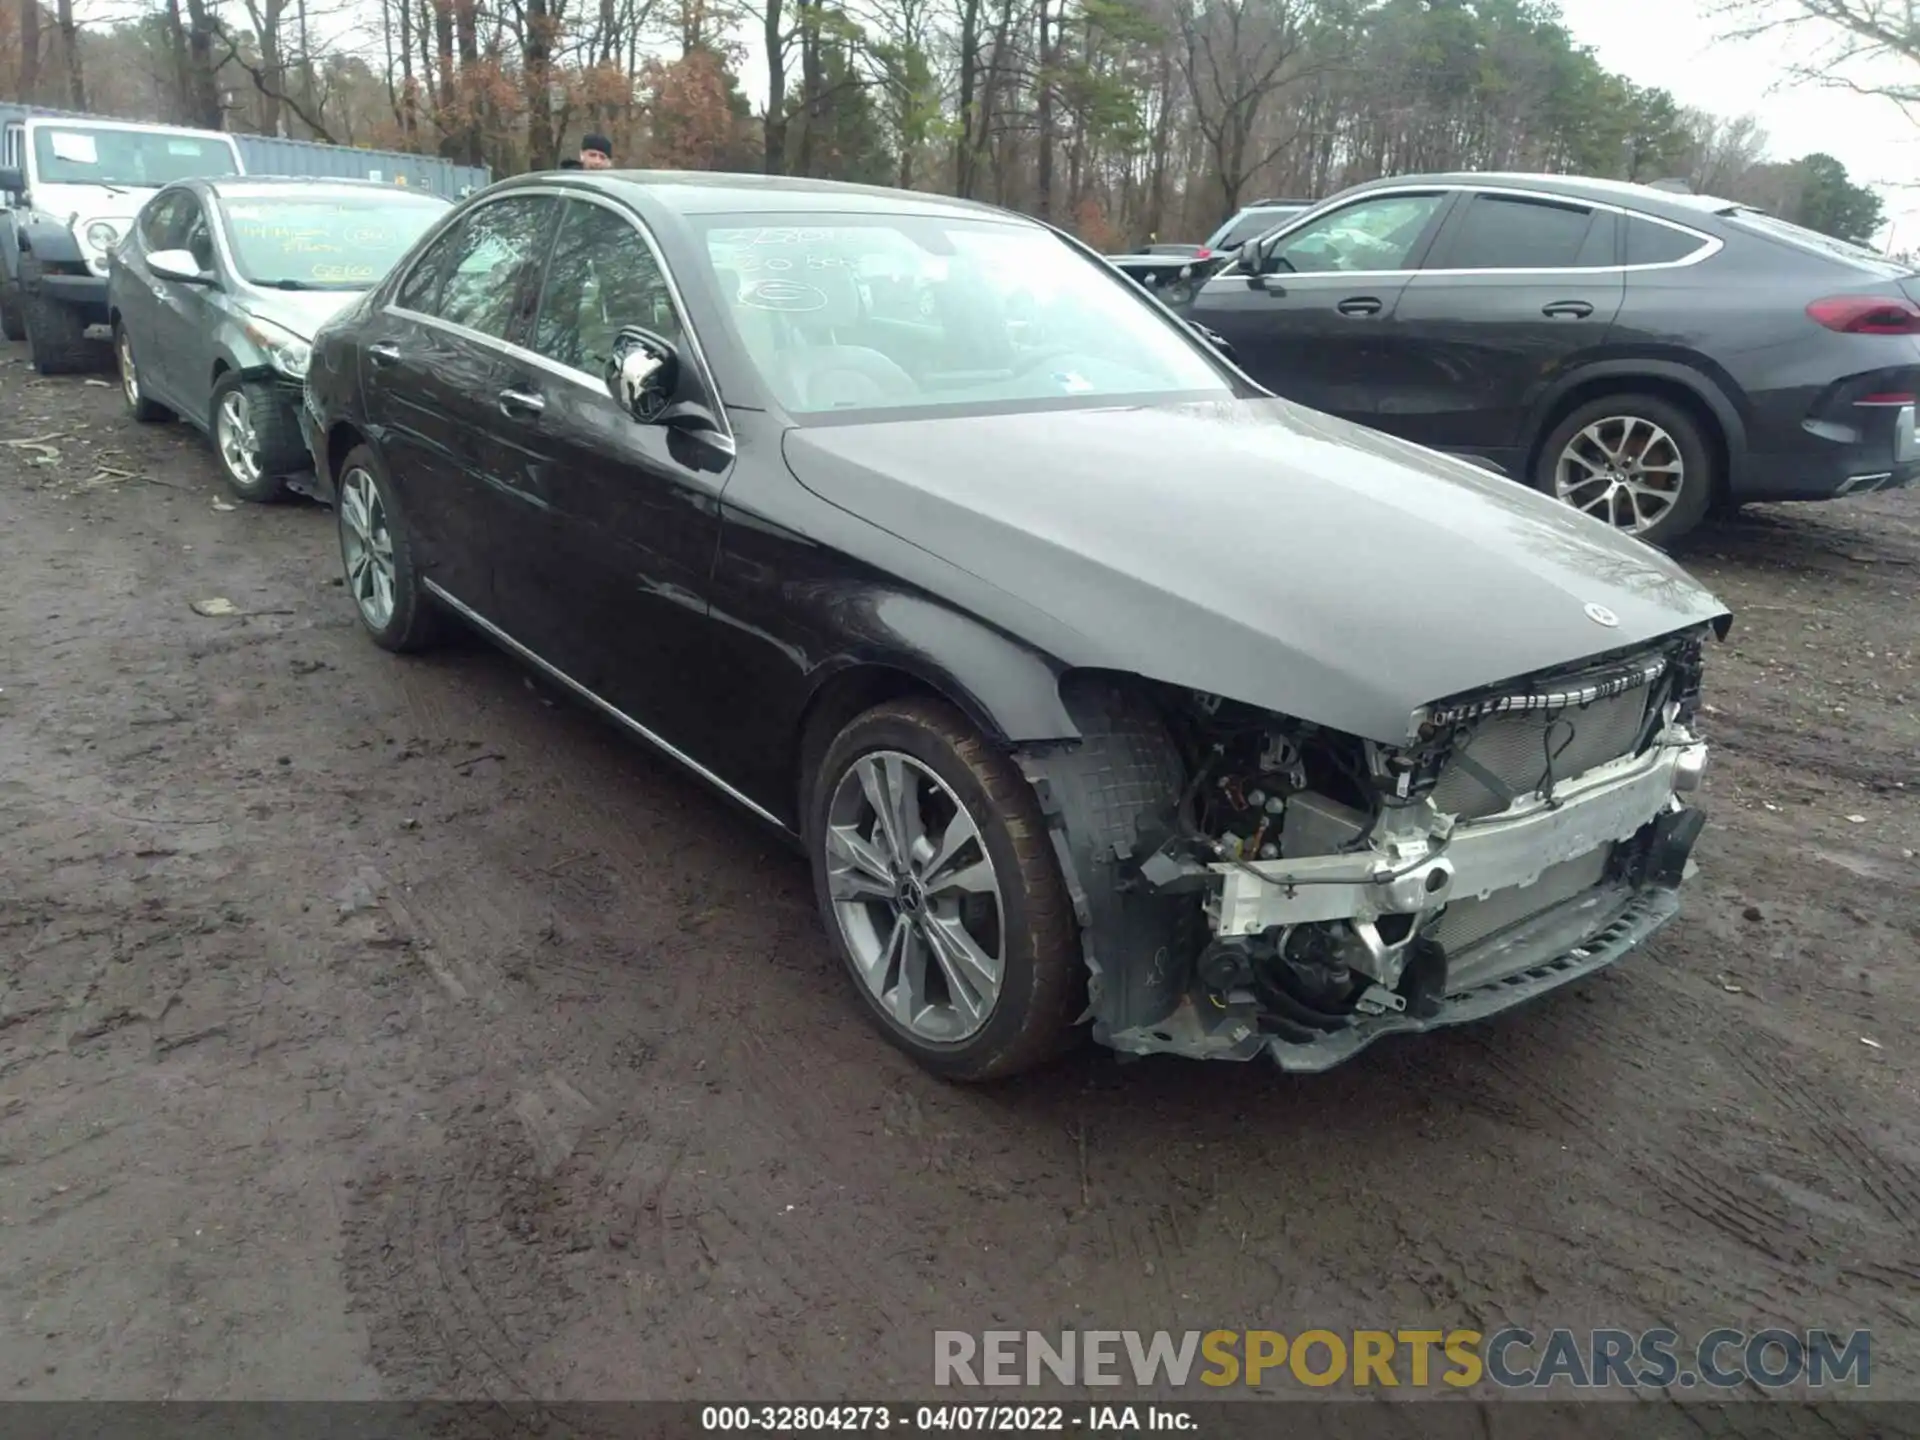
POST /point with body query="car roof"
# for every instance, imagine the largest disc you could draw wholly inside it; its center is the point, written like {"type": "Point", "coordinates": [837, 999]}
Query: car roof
{"type": "Point", "coordinates": [1673, 204]}
{"type": "Point", "coordinates": [241, 184]}
{"type": "Point", "coordinates": [699, 192]}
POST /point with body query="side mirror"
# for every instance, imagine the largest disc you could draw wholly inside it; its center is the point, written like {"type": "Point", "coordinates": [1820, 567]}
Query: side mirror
{"type": "Point", "coordinates": [644, 373]}
{"type": "Point", "coordinates": [12, 182]}
{"type": "Point", "coordinates": [178, 265]}
{"type": "Point", "coordinates": [1247, 258]}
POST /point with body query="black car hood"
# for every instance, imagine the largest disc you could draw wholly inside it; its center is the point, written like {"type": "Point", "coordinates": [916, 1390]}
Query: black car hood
{"type": "Point", "coordinates": [1254, 549]}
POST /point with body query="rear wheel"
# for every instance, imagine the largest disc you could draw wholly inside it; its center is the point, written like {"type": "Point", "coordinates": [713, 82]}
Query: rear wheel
{"type": "Point", "coordinates": [144, 410]}
{"type": "Point", "coordinates": [376, 551]}
{"type": "Point", "coordinates": [1637, 462]}
{"type": "Point", "coordinates": [941, 894]}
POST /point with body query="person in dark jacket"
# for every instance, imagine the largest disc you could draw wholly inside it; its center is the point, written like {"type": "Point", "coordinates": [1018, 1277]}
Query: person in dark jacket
{"type": "Point", "coordinates": [596, 152]}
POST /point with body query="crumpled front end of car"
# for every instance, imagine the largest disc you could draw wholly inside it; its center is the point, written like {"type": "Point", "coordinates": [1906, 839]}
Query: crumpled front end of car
{"type": "Point", "coordinates": [1522, 837]}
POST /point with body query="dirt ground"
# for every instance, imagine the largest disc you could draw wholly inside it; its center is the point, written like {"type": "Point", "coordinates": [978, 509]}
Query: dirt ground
{"type": "Point", "coordinates": [379, 1028]}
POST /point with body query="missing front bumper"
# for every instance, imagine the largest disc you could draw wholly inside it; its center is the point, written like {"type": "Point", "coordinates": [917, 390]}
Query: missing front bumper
{"type": "Point", "coordinates": [1574, 939]}
{"type": "Point", "coordinates": [1503, 852]}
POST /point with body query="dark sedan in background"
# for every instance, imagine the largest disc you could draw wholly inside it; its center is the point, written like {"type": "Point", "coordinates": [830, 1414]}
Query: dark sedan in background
{"type": "Point", "coordinates": [958, 595]}
{"type": "Point", "coordinates": [217, 289]}
{"type": "Point", "coordinates": [1644, 355]}
{"type": "Point", "coordinates": [1174, 272]}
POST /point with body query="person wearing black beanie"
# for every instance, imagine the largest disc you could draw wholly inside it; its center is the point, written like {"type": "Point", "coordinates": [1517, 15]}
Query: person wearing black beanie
{"type": "Point", "coordinates": [596, 152]}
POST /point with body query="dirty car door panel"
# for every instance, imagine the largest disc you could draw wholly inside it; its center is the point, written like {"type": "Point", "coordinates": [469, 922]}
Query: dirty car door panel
{"type": "Point", "coordinates": [1515, 290]}
{"type": "Point", "coordinates": [433, 362]}
{"type": "Point", "coordinates": [1317, 322]}
{"type": "Point", "coordinates": [617, 521]}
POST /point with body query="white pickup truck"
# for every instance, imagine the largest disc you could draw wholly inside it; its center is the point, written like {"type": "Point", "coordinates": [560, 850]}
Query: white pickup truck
{"type": "Point", "coordinates": [71, 188]}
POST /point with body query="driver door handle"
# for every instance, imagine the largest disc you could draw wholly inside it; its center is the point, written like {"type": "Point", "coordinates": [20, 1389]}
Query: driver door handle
{"type": "Point", "coordinates": [1359, 305]}
{"type": "Point", "coordinates": [519, 404]}
{"type": "Point", "coordinates": [1567, 309]}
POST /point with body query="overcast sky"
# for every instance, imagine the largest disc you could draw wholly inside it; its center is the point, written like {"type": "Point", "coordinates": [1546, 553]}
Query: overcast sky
{"type": "Point", "coordinates": [1673, 44]}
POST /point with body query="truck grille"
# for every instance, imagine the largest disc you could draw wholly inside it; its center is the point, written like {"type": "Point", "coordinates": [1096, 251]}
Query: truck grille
{"type": "Point", "coordinates": [1509, 755]}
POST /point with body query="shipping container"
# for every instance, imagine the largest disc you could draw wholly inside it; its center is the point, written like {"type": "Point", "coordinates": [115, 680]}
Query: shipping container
{"type": "Point", "coordinates": [270, 155]}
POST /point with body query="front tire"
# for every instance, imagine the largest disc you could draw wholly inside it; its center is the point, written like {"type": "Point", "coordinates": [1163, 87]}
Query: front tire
{"type": "Point", "coordinates": [376, 551]}
{"type": "Point", "coordinates": [256, 439]}
{"type": "Point", "coordinates": [56, 337]}
{"type": "Point", "coordinates": [1637, 462]}
{"type": "Point", "coordinates": [940, 892]}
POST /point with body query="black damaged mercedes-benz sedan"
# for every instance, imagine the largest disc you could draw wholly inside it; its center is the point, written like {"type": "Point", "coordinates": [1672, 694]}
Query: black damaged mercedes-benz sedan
{"type": "Point", "coordinates": [1097, 684]}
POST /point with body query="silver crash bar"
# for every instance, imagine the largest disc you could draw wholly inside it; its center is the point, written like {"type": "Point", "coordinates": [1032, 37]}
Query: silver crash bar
{"type": "Point", "coordinates": [1429, 860]}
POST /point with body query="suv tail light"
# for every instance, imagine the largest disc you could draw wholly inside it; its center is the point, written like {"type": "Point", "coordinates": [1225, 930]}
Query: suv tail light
{"type": "Point", "coordinates": [1203, 253]}
{"type": "Point", "coordinates": [1867, 314]}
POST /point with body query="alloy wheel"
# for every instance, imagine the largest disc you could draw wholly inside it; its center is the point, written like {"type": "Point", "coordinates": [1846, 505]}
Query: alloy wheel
{"type": "Point", "coordinates": [129, 373]}
{"type": "Point", "coordinates": [915, 896]}
{"type": "Point", "coordinates": [239, 446]}
{"type": "Point", "coordinates": [1622, 469]}
{"type": "Point", "coordinates": [366, 545]}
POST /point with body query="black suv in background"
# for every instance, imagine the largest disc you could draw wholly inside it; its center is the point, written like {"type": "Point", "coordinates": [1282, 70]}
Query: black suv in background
{"type": "Point", "coordinates": [1645, 355]}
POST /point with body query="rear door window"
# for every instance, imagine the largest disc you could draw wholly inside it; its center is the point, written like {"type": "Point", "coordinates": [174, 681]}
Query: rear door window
{"type": "Point", "coordinates": [1651, 243]}
{"type": "Point", "coordinates": [1500, 232]}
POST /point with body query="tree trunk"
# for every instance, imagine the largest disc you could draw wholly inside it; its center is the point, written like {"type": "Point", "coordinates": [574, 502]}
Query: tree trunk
{"type": "Point", "coordinates": [812, 82]}
{"type": "Point", "coordinates": [1043, 83]}
{"type": "Point", "coordinates": [1156, 209]}
{"type": "Point", "coordinates": [542, 143]}
{"type": "Point", "coordinates": [407, 101]}
{"type": "Point", "coordinates": [70, 48]}
{"type": "Point", "coordinates": [203, 84]}
{"type": "Point", "coordinates": [774, 130]}
{"type": "Point", "coordinates": [306, 67]}
{"type": "Point", "coordinates": [29, 50]}
{"type": "Point", "coordinates": [964, 155]}
{"type": "Point", "coordinates": [446, 93]}
{"type": "Point", "coordinates": [272, 68]}
{"type": "Point", "coordinates": [467, 36]}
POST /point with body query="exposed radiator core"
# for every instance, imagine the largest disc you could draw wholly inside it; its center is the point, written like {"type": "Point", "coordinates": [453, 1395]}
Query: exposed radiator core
{"type": "Point", "coordinates": [1516, 750]}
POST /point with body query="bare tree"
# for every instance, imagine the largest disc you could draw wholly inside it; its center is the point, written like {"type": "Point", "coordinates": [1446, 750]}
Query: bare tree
{"type": "Point", "coordinates": [1237, 57]}
{"type": "Point", "coordinates": [29, 50]}
{"type": "Point", "coordinates": [1871, 47]}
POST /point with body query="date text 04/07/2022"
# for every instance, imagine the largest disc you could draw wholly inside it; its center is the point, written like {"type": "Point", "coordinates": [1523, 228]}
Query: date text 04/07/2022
{"type": "Point", "coordinates": [929, 1419]}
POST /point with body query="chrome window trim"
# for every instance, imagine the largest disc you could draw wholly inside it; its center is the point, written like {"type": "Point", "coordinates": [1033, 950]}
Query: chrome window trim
{"type": "Point", "coordinates": [534, 358]}
{"type": "Point", "coordinates": [1710, 245]}
{"type": "Point", "coordinates": [480, 622]}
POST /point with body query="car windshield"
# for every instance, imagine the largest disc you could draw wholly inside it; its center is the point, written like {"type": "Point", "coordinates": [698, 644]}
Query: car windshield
{"type": "Point", "coordinates": [335, 241]}
{"type": "Point", "coordinates": [846, 313]}
{"type": "Point", "coordinates": [87, 155]}
{"type": "Point", "coordinates": [1250, 225]}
